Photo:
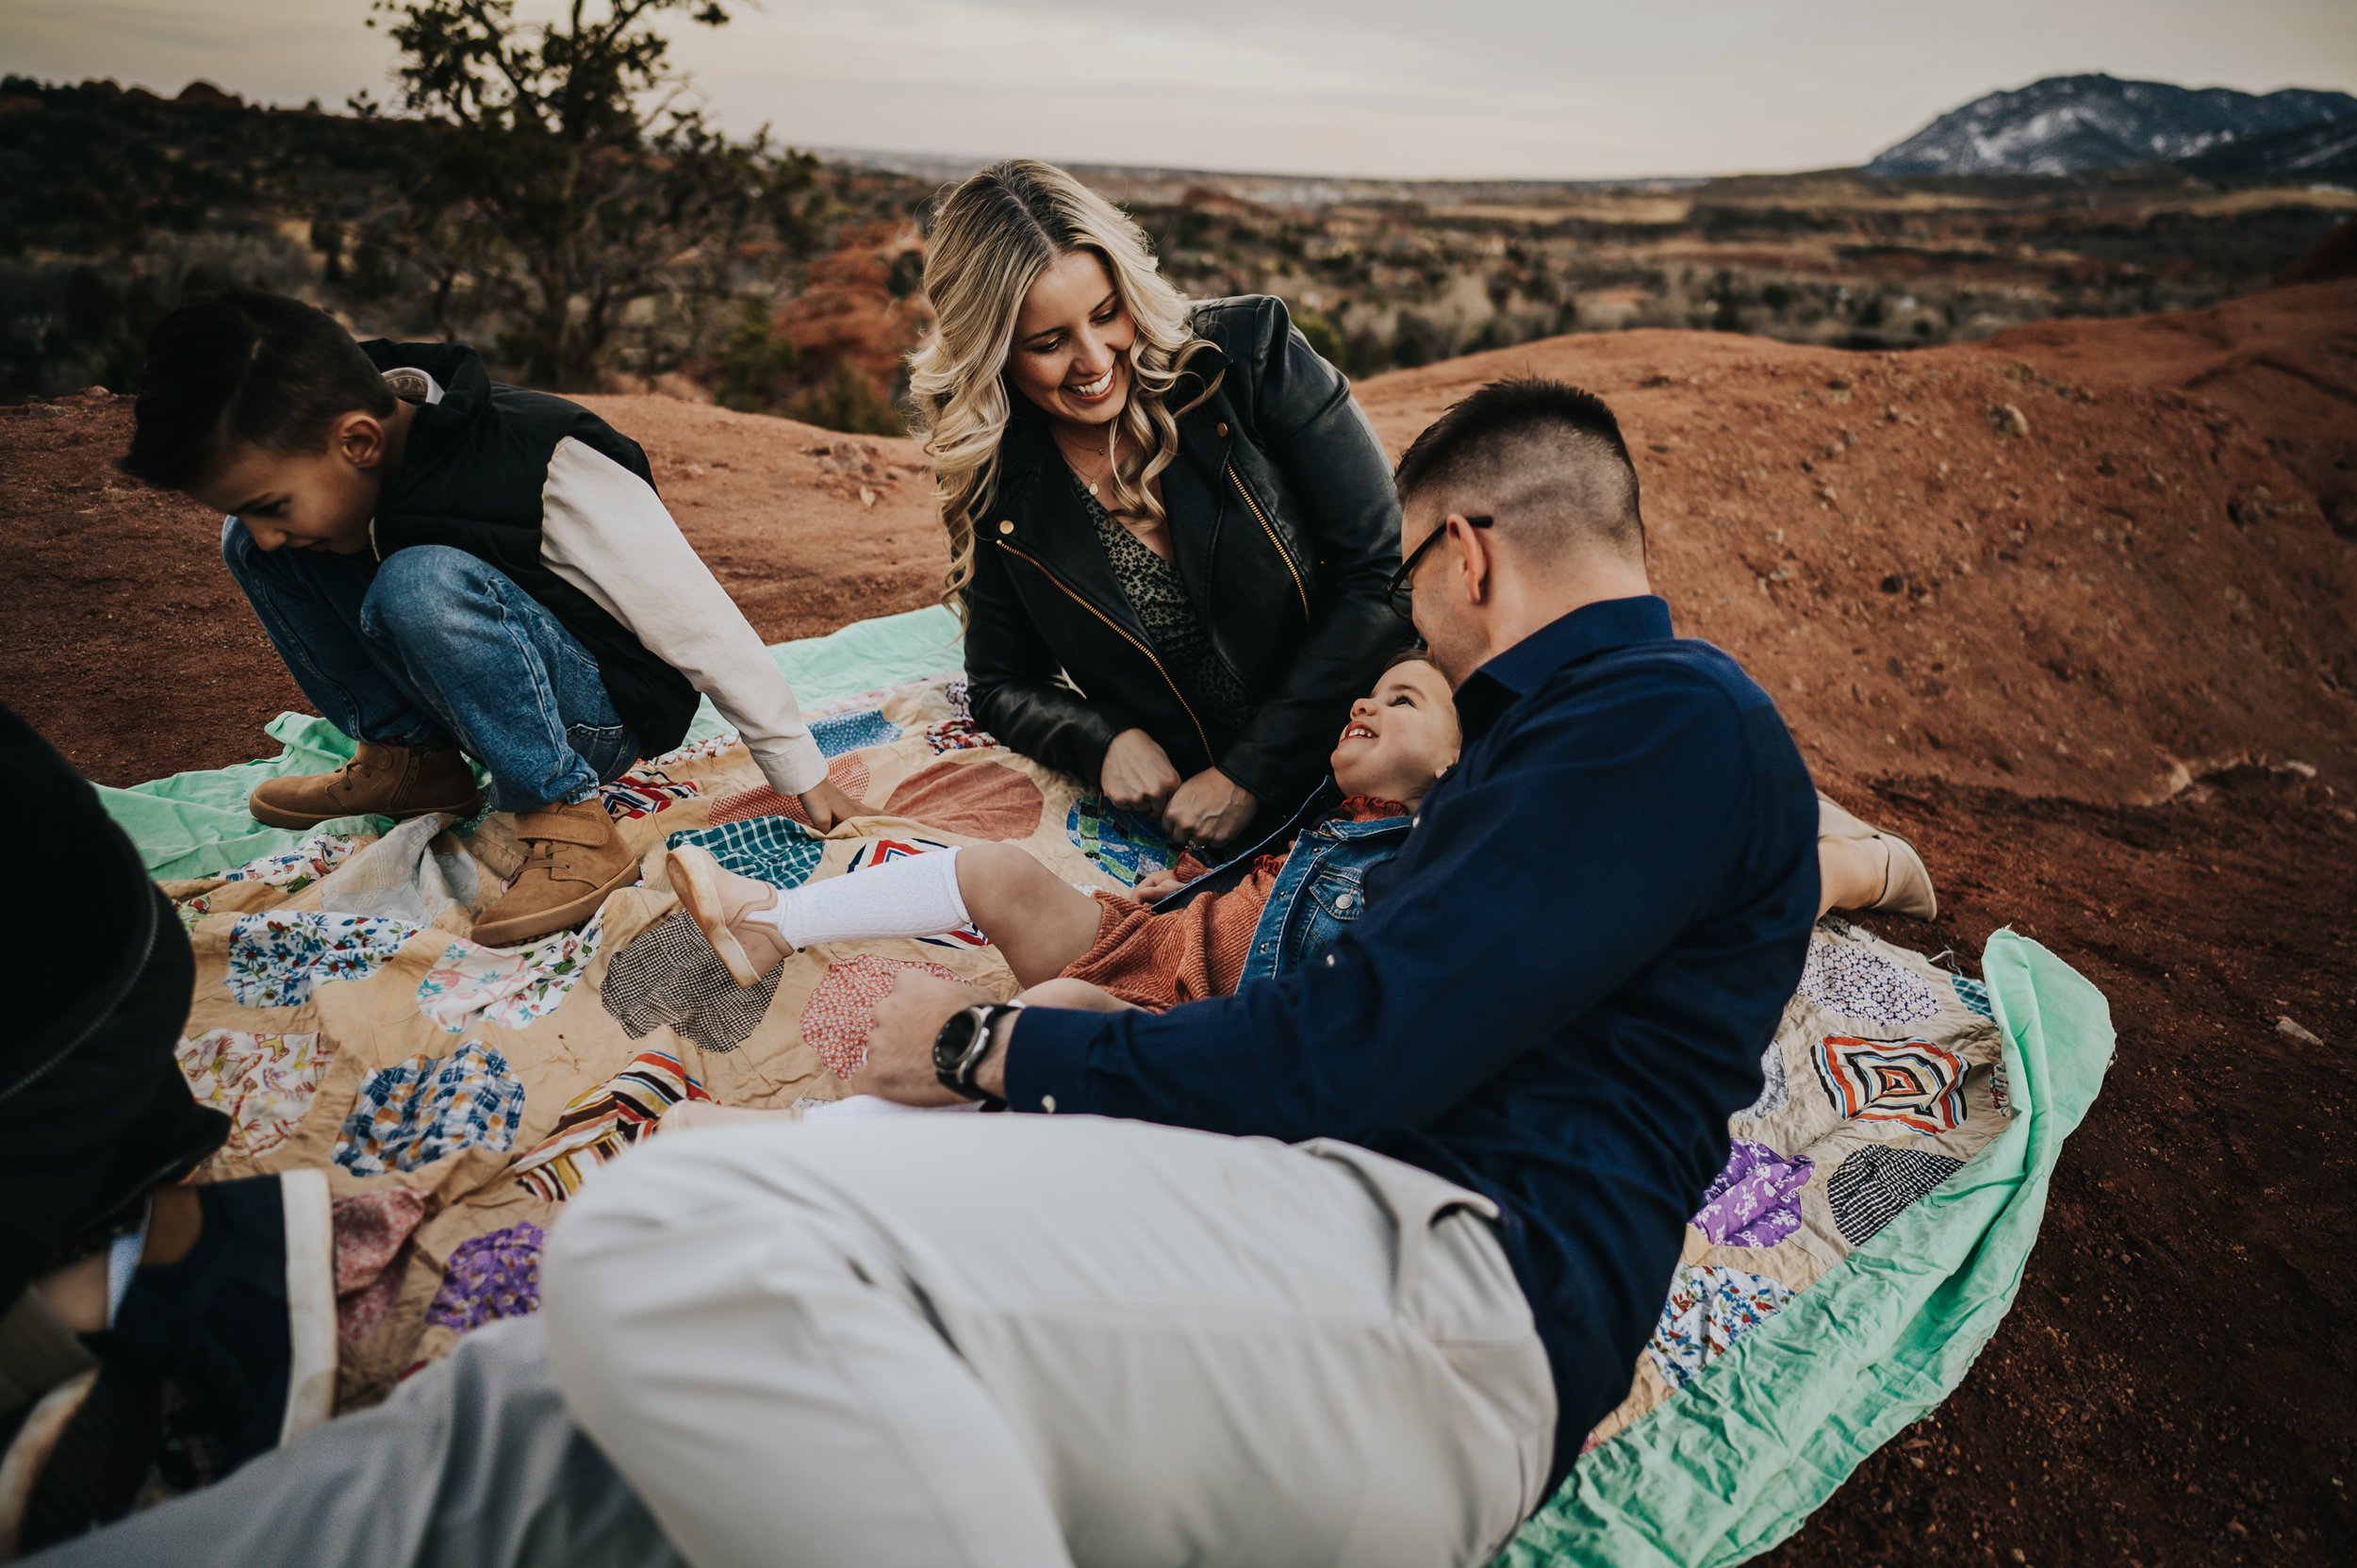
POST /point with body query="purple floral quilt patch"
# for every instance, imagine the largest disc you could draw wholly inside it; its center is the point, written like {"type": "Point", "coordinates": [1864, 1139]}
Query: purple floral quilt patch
{"type": "Point", "coordinates": [492, 1276]}
{"type": "Point", "coordinates": [1756, 1201]}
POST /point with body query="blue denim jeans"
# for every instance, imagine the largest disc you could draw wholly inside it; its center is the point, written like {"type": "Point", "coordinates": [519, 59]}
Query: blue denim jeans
{"type": "Point", "coordinates": [434, 648]}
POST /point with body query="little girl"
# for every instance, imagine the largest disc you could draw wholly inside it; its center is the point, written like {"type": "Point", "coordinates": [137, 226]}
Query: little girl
{"type": "Point", "coordinates": [1178, 935]}
{"type": "Point", "coordinates": [1188, 933]}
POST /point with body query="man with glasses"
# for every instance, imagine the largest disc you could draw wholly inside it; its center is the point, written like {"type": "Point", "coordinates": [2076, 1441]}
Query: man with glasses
{"type": "Point", "coordinates": [1394, 1249]}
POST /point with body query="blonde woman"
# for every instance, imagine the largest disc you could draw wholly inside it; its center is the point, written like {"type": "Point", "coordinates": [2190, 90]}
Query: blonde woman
{"type": "Point", "coordinates": [1170, 526]}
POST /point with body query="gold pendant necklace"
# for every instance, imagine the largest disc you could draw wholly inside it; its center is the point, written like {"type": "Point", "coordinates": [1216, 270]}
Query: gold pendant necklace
{"type": "Point", "coordinates": [1111, 449]}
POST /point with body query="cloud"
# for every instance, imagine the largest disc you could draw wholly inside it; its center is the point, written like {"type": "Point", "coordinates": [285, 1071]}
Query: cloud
{"type": "Point", "coordinates": [1562, 89]}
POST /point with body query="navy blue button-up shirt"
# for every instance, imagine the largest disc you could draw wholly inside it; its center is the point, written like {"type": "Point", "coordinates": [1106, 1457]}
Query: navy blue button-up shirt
{"type": "Point", "coordinates": [1561, 988]}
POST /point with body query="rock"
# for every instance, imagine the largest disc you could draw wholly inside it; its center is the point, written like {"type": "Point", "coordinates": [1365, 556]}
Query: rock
{"type": "Point", "coordinates": [2285, 1027]}
{"type": "Point", "coordinates": [2006, 419]}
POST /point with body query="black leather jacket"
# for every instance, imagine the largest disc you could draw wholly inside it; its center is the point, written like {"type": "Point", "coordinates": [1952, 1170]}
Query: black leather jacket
{"type": "Point", "coordinates": [1284, 526]}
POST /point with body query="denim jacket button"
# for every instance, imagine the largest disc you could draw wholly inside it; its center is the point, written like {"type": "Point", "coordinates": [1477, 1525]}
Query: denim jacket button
{"type": "Point", "coordinates": [1346, 900]}
{"type": "Point", "coordinates": [1047, 1104]}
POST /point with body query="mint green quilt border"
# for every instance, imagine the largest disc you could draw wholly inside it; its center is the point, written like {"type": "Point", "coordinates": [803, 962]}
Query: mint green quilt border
{"type": "Point", "coordinates": [196, 824]}
{"type": "Point", "coordinates": [1731, 1466]}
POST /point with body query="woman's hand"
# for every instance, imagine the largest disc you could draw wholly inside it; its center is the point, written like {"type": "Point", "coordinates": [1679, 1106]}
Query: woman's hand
{"type": "Point", "coordinates": [828, 805]}
{"type": "Point", "coordinates": [1209, 811]}
{"type": "Point", "coordinates": [1156, 886]}
{"type": "Point", "coordinates": [1137, 775]}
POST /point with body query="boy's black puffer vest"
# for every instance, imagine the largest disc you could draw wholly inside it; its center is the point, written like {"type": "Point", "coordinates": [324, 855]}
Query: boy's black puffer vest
{"type": "Point", "coordinates": [471, 477]}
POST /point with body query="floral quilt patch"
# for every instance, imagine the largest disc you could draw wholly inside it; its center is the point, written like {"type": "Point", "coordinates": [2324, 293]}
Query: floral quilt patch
{"type": "Point", "coordinates": [1775, 1084]}
{"type": "Point", "coordinates": [1709, 1309]}
{"type": "Point", "coordinates": [278, 957]}
{"type": "Point", "coordinates": [370, 1228]}
{"type": "Point", "coordinates": [470, 985]}
{"type": "Point", "coordinates": [959, 734]}
{"type": "Point", "coordinates": [264, 1084]}
{"type": "Point", "coordinates": [843, 1008]}
{"type": "Point", "coordinates": [1859, 982]}
{"type": "Point", "coordinates": [298, 867]}
{"type": "Point", "coordinates": [1756, 1201]}
{"type": "Point", "coordinates": [418, 1110]}
{"type": "Point", "coordinates": [489, 1278]}
{"type": "Point", "coordinates": [695, 751]}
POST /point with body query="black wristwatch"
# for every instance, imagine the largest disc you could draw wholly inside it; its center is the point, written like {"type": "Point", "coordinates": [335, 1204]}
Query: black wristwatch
{"type": "Point", "coordinates": [964, 1041]}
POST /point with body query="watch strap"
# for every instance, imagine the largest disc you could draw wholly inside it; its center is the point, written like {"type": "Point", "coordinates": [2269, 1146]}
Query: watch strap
{"type": "Point", "coordinates": [960, 1078]}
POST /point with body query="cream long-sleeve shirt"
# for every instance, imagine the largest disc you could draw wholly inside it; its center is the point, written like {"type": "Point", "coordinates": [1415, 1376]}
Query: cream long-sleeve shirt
{"type": "Point", "coordinates": [605, 531]}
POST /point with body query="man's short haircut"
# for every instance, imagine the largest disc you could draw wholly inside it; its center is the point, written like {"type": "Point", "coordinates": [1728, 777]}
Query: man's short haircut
{"type": "Point", "coordinates": [1545, 457]}
{"type": "Point", "coordinates": [243, 369]}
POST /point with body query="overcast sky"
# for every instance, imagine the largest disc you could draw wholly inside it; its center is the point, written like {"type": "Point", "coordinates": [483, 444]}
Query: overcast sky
{"type": "Point", "coordinates": [1545, 89]}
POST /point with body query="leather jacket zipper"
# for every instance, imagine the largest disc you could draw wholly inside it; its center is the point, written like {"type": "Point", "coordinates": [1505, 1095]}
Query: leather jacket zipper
{"type": "Point", "coordinates": [1123, 633]}
{"type": "Point", "coordinates": [1266, 527]}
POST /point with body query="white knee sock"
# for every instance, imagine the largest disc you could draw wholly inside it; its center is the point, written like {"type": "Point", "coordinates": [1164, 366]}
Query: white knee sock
{"type": "Point", "coordinates": [913, 896]}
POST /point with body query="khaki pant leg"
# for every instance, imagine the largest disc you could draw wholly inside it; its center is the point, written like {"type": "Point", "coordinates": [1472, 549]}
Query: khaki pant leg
{"type": "Point", "coordinates": [1033, 1340]}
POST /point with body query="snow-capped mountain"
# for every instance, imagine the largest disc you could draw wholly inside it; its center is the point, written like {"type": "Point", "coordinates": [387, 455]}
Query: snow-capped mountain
{"type": "Point", "coordinates": [2325, 154]}
{"type": "Point", "coordinates": [2067, 124]}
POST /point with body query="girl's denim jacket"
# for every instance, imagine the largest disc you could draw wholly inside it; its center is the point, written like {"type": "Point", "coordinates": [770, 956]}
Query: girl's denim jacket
{"type": "Point", "coordinates": [1318, 891]}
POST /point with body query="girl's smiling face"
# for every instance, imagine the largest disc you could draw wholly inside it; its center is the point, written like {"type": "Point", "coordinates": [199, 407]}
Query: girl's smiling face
{"type": "Point", "coordinates": [1401, 739]}
{"type": "Point", "coordinates": [1072, 338]}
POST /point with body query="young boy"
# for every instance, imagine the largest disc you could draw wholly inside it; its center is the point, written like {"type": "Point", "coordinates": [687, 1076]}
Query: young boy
{"type": "Point", "coordinates": [453, 568]}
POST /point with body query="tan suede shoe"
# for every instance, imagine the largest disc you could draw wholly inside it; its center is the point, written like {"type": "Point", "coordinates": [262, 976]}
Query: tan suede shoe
{"type": "Point", "coordinates": [379, 780]}
{"type": "Point", "coordinates": [572, 860]}
{"type": "Point", "coordinates": [724, 906]}
{"type": "Point", "coordinates": [1906, 881]}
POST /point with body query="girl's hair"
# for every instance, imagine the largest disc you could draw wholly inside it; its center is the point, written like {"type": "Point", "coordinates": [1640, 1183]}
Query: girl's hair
{"type": "Point", "coordinates": [992, 238]}
{"type": "Point", "coordinates": [1415, 652]}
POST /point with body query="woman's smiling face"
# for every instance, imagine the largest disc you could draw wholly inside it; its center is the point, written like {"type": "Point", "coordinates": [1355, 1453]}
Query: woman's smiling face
{"type": "Point", "coordinates": [1072, 337]}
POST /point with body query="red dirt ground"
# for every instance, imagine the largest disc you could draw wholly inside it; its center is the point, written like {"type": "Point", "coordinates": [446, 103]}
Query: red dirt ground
{"type": "Point", "coordinates": [2071, 607]}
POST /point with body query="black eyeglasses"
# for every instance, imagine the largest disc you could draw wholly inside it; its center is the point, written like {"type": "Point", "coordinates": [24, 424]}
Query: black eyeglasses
{"type": "Point", "coordinates": [1399, 592]}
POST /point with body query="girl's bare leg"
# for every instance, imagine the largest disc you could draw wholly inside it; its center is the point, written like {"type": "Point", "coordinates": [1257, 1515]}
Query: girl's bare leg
{"type": "Point", "coordinates": [1076, 993]}
{"type": "Point", "coordinates": [1040, 923]}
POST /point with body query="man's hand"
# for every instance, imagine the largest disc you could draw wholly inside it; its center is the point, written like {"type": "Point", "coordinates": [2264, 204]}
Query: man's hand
{"type": "Point", "coordinates": [1209, 811]}
{"type": "Point", "coordinates": [828, 805]}
{"type": "Point", "coordinates": [899, 1061]}
{"type": "Point", "coordinates": [1137, 775]}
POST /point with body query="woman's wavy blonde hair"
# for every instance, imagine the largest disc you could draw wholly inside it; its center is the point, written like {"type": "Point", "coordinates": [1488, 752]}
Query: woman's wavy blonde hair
{"type": "Point", "coordinates": [993, 235]}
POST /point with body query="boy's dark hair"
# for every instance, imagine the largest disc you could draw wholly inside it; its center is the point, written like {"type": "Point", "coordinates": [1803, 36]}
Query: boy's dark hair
{"type": "Point", "coordinates": [243, 368]}
{"type": "Point", "coordinates": [1547, 455]}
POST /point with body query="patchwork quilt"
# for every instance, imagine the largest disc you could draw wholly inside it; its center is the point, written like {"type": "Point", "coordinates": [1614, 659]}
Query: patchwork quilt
{"type": "Point", "coordinates": [1860, 1244]}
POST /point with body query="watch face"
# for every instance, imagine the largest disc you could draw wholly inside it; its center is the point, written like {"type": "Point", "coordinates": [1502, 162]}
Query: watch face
{"type": "Point", "coordinates": [955, 1039]}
